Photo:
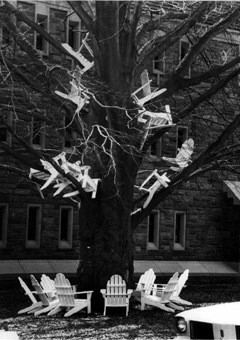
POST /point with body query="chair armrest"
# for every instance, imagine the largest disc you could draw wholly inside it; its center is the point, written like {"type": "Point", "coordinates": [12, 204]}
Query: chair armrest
{"type": "Point", "coordinates": [84, 292]}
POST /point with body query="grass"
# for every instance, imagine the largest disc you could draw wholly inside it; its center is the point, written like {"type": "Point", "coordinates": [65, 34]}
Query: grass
{"type": "Point", "coordinates": [149, 324]}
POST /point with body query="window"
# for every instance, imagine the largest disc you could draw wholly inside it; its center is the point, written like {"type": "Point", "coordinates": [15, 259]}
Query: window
{"type": "Point", "coordinates": [34, 215]}
{"type": "Point", "coordinates": [5, 135]}
{"type": "Point", "coordinates": [156, 148]}
{"type": "Point", "coordinates": [153, 231]}
{"type": "Point", "coordinates": [41, 44]}
{"type": "Point", "coordinates": [37, 133]}
{"type": "Point", "coordinates": [182, 135]}
{"type": "Point", "coordinates": [179, 230]}
{"type": "Point", "coordinates": [3, 224]}
{"type": "Point", "coordinates": [69, 133]}
{"type": "Point", "coordinates": [65, 227]}
{"type": "Point", "coordinates": [6, 37]}
{"type": "Point", "coordinates": [183, 50]}
{"type": "Point", "coordinates": [159, 66]}
{"type": "Point", "coordinates": [74, 34]}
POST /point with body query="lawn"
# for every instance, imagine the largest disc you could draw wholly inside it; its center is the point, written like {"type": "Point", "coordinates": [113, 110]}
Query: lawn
{"type": "Point", "coordinates": [149, 324]}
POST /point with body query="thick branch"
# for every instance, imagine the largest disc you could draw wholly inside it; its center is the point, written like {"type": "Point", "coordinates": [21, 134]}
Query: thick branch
{"type": "Point", "coordinates": [206, 95]}
{"type": "Point", "coordinates": [205, 162]}
{"type": "Point", "coordinates": [22, 17]}
{"type": "Point", "coordinates": [202, 42]}
{"type": "Point", "coordinates": [160, 44]}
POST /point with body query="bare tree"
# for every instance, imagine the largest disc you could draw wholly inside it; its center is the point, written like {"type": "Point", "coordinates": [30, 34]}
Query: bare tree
{"type": "Point", "coordinates": [125, 37]}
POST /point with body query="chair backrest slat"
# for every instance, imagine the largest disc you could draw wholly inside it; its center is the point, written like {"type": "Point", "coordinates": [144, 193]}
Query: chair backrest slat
{"type": "Point", "coordinates": [116, 291]}
{"type": "Point", "coordinates": [181, 282]}
{"type": "Point", "coordinates": [170, 288]}
{"type": "Point", "coordinates": [64, 291]}
{"type": "Point", "coordinates": [42, 296]}
{"type": "Point", "coordinates": [146, 281]}
{"type": "Point", "coordinates": [27, 290]}
{"type": "Point", "coordinates": [48, 286]}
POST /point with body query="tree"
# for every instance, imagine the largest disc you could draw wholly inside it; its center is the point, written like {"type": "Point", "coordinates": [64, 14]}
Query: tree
{"type": "Point", "coordinates": [109, 136]}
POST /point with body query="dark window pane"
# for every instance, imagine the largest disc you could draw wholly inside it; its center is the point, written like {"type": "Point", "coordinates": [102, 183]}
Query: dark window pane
{"type": "Point", "coordinates": [182, 136]}
{"type": "Point", "coordinates": [151, 228]}
{"type": "Point", "coordinates": [3, 134]}
{"type": "Point", "coordinates": [2, 214]}
{"type": "Point", "coordinates": [39, 39]}
{"type": "Point", "coordinates": [71, 36]}
{"type": "Point", "coordinates": [178, 228]}
{"type": "Point", "coordinates": [32, 223]}
{"type": "Point", "coordinates": [64, 224]}
{"type": "Point", "coordinates": [6, 39]}
{"type": "Point", "coordinates": [184, 49]}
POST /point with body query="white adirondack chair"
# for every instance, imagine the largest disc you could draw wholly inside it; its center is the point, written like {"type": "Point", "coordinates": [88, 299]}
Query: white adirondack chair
{"type": "Point", "coordinates": [47, 303]}
{"type": "Point", "coordinates": [156, 120]}
{"type": "Point", "coordinates": [8, 335]}
{"type": "Point", "coordinates": [175, 298]}
{"type": "Point", "coordinates": [54, 174]}
{"type": "Point", "coordinates": [148, 94]}
{"type": "Point", "coordinates": [183, 157]}
{"type": "Point", "coordinates": [116, 294]}
{"type": "Point", "coordinates": [163, 301]}
{"type": "Point", "coordinates": [161, 181]}
{"type": "Point", "coordinates": [35, 304]}
{"type": "Point", "coordinates": [76, 95]}
{"type": "Point", "coordinates": [66, 297]}
{"type": "Point", "coordinates": [83, 61]}
{"type": "Point", "coordinates": [48, 286]}
{"type": "Point", "coordinates": [145, 283]}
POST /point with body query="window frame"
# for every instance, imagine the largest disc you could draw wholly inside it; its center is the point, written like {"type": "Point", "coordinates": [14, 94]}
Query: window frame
{"type": "Point", "coordinates": [3, 232]}
{"type": "Point", "coordinates": [66, 244]}
{"type": "Point", "coordinates": [77, 36]}
{"type": "Point", "coordinates": [42, 10]}
{"type": "Point", "coordinates": [42, 134]}
{"type": "Point", "coordinates": [8, 134]}
{"type": "Point", "coordinates": [158, 71]}
{"type": "Point", "coordinates": [73, 135]}
{"type": "Point", "coordinates": [155, 244]}
{"type": "Point", "coordinates": [182, 244]}
{"type": "Point", "coordinates": [34, 243]}
{"type": "Point", "coordinates": [159, 145]}
{"type": "Point", "coordinates": [185, 41]}
{"type": "Point", "coordinates": [177, 136]}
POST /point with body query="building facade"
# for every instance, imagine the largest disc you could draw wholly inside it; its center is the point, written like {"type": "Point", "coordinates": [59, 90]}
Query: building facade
{"type": "Point", "coordinates": [199, 221]}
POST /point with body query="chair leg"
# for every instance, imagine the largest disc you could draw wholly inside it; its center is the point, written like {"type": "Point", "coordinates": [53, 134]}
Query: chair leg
{"type": "Point", "coordinates": [46, 309]}
{"type": "Point", "coordinates": [55, 310]}
{"type": "Point", "coordinates": [165, 308]}
{"type": "Point", "coordinates": [73, 311]}
{"type": "Point", "coordinates": [174, 306]}
{"type": "Point", "coordinates": [104, 312]}
{"type": "Point", "coordinates": [89, 307]}
{"type": "Point", "coordinates": [30, 308]}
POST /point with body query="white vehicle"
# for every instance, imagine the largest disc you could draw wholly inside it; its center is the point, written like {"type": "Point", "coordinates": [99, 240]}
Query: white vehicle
{"type": "Point", "coordinates": [220, 322]}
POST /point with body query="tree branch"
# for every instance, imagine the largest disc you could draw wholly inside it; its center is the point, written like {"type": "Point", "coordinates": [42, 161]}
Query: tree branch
{"type": "Point", "coordinates": [202, 164]}
{"type": "Point", "coordinates": [160, 44]}
{"type": "Point", "coordinates": [213, 90]}
{"type": "Point", "coordinates": [219, 27]}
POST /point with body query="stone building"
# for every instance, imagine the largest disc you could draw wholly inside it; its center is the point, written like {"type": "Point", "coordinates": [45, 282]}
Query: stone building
{"type": "Point", "coordinates": [199, 221]}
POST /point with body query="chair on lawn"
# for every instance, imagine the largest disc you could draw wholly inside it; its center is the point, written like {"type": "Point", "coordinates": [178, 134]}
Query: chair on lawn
{"type": "Point", "coordinates": [116, 294]}
{"type": "Point", "coordinates": [145, 282]}
{"type": "Point", "coordinates": [46, 303]}
{"type": "Point", "coordinates": [175, 298]}
{"type": "Point", "coordinates": [162, 300]}
{"type": "Point", "coordinates": [35, 304]}
{"type": "Point", "coordinates": [48, 286]}
{"type": "Point", "coordinates": [66, 297]}
{"type": "Point", "coordinates": [8, 335]}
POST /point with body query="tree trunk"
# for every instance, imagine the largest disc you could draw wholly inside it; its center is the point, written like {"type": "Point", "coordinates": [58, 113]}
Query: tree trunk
{"type": "Point", "coordinates": [106, 240]}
